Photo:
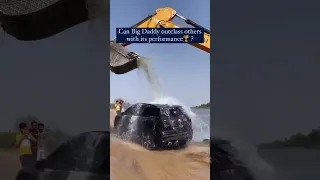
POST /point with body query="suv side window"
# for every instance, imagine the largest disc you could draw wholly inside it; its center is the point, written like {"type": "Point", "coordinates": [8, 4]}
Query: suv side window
{"type": "Point", "coordinates": [150, 112]}
{"type": "Point", "coordinates": [131, 111]}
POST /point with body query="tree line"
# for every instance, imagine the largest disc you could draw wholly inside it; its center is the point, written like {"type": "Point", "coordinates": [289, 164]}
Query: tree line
{"type": "Point", "coordinates": [203, 106]}
{"type": "Point", "coordinates": [298, 140]}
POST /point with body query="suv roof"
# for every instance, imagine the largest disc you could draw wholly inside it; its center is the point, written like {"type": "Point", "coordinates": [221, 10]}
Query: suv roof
{"type": "Point", "coordinates": [159, 105]}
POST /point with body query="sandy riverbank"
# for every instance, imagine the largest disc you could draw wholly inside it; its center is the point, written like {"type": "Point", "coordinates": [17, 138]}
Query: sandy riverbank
{"type": "Point", "coordinates": [130, 161]}
{"type": "Point", "coordinates": [9, 163]}
{"type": "Point", "coordinates": [112, 116]}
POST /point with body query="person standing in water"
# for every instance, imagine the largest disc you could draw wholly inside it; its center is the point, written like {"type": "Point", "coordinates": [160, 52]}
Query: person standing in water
{"type": "Point", "coordinates": [23, 142]}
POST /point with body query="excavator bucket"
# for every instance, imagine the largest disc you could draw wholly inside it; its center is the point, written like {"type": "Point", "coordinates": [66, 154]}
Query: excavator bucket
{"type": "Point", "coordinates": [121, 59]}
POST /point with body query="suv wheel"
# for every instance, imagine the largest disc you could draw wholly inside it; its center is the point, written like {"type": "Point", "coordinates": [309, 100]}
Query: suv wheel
{"type": "Point", "coordinates": [147, 141]}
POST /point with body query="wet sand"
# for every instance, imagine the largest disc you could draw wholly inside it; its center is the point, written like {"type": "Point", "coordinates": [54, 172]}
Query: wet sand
{"type": "Point", "coordinates": [9, 163]}
{"type": "Point", "coordinates": [131, 161]}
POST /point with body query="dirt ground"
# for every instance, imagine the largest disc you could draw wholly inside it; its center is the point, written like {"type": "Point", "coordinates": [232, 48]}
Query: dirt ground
{"type": "Point", "coordinates": [130, 161]}
{"type": "Point", "coordinates": [9, 163]}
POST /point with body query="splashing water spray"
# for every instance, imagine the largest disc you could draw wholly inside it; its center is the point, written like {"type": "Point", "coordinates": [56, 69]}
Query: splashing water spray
{"type": "Point", "coordinates": [260, 169]}
{"type": "Point", "coordinates": [144, 64]}
{"type": "Point", "coordinates": [98, 11]}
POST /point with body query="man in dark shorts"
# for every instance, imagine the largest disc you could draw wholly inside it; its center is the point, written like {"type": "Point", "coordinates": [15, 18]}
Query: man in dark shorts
{"type": "Point", "coordinates": [35, 133]}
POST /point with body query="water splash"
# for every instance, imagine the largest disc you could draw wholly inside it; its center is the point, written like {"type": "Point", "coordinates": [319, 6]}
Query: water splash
{"type": "Point", "coordinates": [199, 126]}
{"type": "Point", "coordinates": [161, 98]}
{"type": "Point", "coordinates": [171, 101]}
{"type": "Point", "coordinates": [132, 125]}
{"type": "Point", "coordinates": [260, 169]}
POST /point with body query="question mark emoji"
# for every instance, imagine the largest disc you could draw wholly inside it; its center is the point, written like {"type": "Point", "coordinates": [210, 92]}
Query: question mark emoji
{"type": "Point", "coordinates": [185, 38]}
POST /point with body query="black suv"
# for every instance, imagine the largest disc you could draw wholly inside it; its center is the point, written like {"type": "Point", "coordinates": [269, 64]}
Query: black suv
{"type": "Point", "coordinates": [155, 126]}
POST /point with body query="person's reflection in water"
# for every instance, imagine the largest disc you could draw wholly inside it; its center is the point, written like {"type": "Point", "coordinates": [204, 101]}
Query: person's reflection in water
{"type": "Point", "coordinates": [85, 156]}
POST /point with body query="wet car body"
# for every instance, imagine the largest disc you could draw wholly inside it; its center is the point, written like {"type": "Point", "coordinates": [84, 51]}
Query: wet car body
{"type": "Point", "coordinates": [155, 126]}
{"type": "Point", "coordinates": [84, 157]}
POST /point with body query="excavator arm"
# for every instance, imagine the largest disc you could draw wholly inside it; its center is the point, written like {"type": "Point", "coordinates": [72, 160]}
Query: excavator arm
{"type": "Point", "coordinates": [162, 19]}
{"type": "Point", "coordinates": [123, 61]}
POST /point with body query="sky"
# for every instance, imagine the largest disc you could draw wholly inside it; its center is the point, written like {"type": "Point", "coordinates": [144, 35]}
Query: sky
{"type": "Point", "coordinates": [182, 70]}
